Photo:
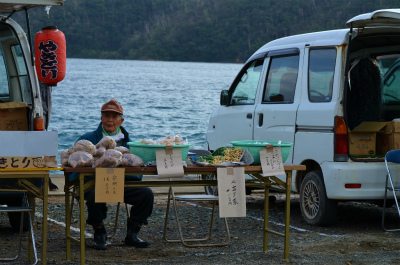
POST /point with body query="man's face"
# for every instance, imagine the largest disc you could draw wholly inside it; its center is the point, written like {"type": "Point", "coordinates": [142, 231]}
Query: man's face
{"type": "Point", "coordinates": [111, 121]}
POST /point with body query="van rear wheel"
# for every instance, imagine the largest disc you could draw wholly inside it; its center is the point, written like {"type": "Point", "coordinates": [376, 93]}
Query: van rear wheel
{"type": "Point", "coordinates": [315, 207]}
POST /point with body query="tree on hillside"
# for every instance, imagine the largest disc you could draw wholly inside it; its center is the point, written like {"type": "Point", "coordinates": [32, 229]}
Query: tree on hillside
{"type": "Point", "coordinates": [197, 30]}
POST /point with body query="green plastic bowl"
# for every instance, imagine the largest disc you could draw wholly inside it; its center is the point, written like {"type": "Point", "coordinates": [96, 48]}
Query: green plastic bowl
{"type": "Point", "coordinates": [254, 148]}
{"type": "Point", "coordinates": [147, 152]}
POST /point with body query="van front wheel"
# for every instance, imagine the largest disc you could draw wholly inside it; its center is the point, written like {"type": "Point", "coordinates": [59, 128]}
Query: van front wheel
{"type": "Point", "coordinates": [315, 207]}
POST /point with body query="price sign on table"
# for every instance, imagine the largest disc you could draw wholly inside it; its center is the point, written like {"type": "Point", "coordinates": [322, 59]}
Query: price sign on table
{"type": "Point", "coordinates": [231, 192]}
{"type": "Point", "coordinates": [271, 161]}
{"type": "Point", "coordinates": [169, 162]}
{"type": "Point", "coordinates": [110, 184]}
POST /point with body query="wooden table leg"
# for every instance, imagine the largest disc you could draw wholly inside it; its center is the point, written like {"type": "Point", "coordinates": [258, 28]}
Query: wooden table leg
{"type": "Point", "coordinates": [266, 216]}
{"type": "Point", "coordinates": [45, 212]}
{"type": "Point", "coordinates": [31, 202]}
{"type": "Point", "coordinates": [67, 217]}
{"type": "Point", "coordinates": [287, 215]}
{"type": "Point", "coordinates": [82, 215]}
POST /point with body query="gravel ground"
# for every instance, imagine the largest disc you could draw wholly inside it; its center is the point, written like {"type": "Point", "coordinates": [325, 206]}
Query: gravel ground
{"type": "Point", "coordinates": [355, 238]}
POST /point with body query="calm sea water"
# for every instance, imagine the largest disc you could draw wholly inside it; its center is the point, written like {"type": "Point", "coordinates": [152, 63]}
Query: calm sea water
{"type": "Point", "coordinates": [158, 97]}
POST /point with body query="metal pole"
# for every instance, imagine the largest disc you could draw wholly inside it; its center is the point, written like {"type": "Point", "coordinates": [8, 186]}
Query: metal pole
{"type": "Point", "coordinates": [29, 34]}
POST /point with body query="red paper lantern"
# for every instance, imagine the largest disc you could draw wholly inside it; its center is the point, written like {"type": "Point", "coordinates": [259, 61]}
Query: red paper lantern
{"type": "Point", "coordinates": [50, 55]}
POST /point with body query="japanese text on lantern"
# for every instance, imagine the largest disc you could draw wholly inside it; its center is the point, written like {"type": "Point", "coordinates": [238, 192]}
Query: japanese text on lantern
{"type": "Point", "coordinates": [48, 59]}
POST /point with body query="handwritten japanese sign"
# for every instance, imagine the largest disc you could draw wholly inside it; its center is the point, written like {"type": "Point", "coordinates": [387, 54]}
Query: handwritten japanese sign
{"type": "Point", "coordinates": [48, 59]}
{"type": "Point", "coordinates": [109, 185]}
{"type": "Point", "coordinates": [169, 162]}
{"type": "Point", "coordinates": [18, 162]}
{"type": "Point", "coordinates": [271, 161]}
{"type": "Point", "coordinates": [231, 192]}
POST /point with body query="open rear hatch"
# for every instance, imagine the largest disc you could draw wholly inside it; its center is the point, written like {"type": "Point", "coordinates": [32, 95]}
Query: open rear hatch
{"type": "Point", "coordinates": [12, 6]}
{"type": "Point", "coordinates": [379, 18]}
{"type": "Point", "coordinates": [373, 104]}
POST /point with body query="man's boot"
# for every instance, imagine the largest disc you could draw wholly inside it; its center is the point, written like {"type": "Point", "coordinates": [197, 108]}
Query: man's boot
{"type": "Point", "coordinates": [131, 238]}
{"type": "Point", "coordinates": [100, 238]}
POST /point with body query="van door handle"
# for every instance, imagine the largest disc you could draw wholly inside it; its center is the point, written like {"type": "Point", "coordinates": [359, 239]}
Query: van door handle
{"type": "Point", "coordinates": [260, 119]}
{"type": "Point", "coordinates": [249, 116]}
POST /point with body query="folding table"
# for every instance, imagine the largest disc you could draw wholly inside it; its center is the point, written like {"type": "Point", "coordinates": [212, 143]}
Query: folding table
{"type": "Point", "coordinates": [254, 171]}
{"type": "Point", "coordinates": [22, 175]}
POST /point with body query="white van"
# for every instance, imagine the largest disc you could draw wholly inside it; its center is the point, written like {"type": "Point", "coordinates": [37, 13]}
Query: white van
{"type": "Point", "coordinates": [20, 91]}
{"type": "Point", "coordinates": [313, 90]}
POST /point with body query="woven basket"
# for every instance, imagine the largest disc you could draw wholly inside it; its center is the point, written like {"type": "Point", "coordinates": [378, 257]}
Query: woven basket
{"type": "Point", "coordinates": [254, 148]}
{"type": "Point", "coordinates": [147, 152]}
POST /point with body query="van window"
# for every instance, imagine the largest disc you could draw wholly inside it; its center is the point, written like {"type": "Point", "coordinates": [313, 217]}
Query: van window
{"type": "Point", "coordinates": [14, 81]}
{"type": "Point", "coordinates": [321, 68]}
{"type": "Point", "coordinates": [4, 92]}
{"type": "Point", "coordinates": [390, 69]}
{"type": "Point", "coordinates": [22, 74]}
{"type": "Point", "coordinates": [281, 80]}
{"type": "Point", "coordinates": [245, 91]}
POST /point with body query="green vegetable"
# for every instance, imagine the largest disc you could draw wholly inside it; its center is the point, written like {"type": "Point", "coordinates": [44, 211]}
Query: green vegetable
{"type": "Point", "coordinates": [220, 151]}
{"type": "Point", "coordinates": [205, 158]}
{"type": "Point", "coordinates": [210, 158]}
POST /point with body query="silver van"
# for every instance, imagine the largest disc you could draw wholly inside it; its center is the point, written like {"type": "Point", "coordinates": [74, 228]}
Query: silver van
{"type": "Point", "coordinates": [19, 85]}
{"type": "Point", "coordinates": [315, 90]}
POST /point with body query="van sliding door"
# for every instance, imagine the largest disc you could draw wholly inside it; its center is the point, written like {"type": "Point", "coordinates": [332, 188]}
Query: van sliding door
{"type": "Point", "coordinates": [275, 117]}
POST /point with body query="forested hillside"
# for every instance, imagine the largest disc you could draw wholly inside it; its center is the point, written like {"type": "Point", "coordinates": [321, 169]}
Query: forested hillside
{"type": "Point", "coordinates": [191, 30]}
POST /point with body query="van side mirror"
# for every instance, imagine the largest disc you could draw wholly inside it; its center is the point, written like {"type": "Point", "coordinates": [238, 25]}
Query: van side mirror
{"type": "Point", "coordinates": [224, 98]}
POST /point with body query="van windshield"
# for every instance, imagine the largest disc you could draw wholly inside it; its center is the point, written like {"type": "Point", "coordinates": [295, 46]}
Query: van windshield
{"type": "Point", "coordinates": [245, 91]}
{"type": "Point", "coordinates": [14, 81]}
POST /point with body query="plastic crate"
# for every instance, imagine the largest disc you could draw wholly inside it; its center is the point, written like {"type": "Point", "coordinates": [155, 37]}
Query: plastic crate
{"type": "Point", "coordinates": [147, 152]}
{"type": "Point", "coordinates": [254, 148]}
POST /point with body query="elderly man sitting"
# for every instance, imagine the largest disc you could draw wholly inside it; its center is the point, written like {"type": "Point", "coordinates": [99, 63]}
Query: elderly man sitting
{"type": "Point", "coordinates": [141, 199]}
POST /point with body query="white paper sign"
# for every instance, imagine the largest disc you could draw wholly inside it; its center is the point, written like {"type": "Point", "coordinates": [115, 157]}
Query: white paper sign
{"type": "Point", "coordinates": [109, 185]}
{"type": "Point", "coordinates": [28, 143]}
{"type": "Point", "coordinates": [169, 162]}
{"type": "Point", "coordinates": [231, 192]}
{"type": "Point", "coordinates": [271, 161]}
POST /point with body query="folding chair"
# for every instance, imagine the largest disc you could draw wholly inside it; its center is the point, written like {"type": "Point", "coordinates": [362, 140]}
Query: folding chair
{"type": "Point", "coordinates": [210, 190]}
{"type": "Point", "coordinates": [24, 208]}
{"type": "Point", "coordinates": [191, 198]}
{"type": "Point", "coordinates": [394, 157]}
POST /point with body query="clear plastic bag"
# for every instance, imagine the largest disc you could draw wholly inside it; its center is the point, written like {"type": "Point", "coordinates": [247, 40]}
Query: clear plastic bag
{"type": "Point", "coordinates": [123, 149]}
{"type": "Point", "coordinates": [64, 158]}
{"type": "Point", "coordinates": [84, 145]}
{"type": "Point", "coordinates": [131, 160]}
{"type": "Point", "coordinates": [100, 151]}
{"type": "Point", "coordinates": [170, 139]}
{"type": "Point", "coordinates": [107, 142]}
{"type": "Point", "coordinates": [80, 159]}
{"type": "Point", "coordinates": [110, 158]}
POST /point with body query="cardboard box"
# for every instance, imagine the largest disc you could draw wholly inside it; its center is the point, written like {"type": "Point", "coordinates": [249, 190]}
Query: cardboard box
{"type": "Point", "coordinates": [382, 143]}
{"type": "Point", "coordinates": [13, 116]}
{"type": "Point", "coordinates": [391, 138]}
{"type": "Point", "coordinates": [363, 139]}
